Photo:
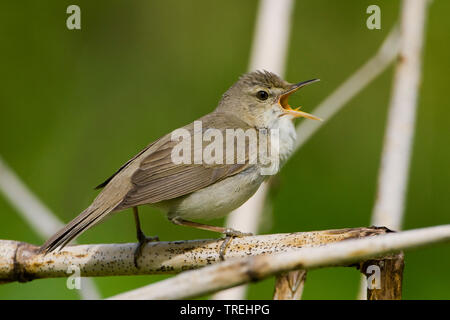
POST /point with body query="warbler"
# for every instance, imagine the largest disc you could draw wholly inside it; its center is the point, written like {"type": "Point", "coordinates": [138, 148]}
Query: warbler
{"type": "Point", "coordinates": [199, 189]}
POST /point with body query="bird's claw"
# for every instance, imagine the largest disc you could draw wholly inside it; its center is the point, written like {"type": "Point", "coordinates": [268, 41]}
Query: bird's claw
{"type": "Point", "coordinates": [143, 240]}
{"type": "Point", "coordinates": [229, 235]}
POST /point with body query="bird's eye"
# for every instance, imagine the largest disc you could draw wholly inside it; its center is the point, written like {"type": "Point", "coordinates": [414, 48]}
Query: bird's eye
{"type": "Point", "coordinates": [262, 95]}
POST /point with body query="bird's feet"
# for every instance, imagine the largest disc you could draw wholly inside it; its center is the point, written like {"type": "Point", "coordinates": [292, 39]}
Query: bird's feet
{"type": "Point", "coordinates": [229, 235]}
{"type": "Point", "coordinates": [143, 240]}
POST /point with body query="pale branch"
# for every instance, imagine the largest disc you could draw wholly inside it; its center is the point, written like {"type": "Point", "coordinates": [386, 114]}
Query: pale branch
{"type": "Point", "coordinates": [20, 261]}
{"type": "Point", "coordinates": [273, 22]}
{"type": "Point", "coordinates": [395, 160]}
{"type": "Point", "coordinates": [41, 219]}
{"type": "Point", "coordinates": [339, 98]}
{"type": "Point", "coordinates": [242, 270]}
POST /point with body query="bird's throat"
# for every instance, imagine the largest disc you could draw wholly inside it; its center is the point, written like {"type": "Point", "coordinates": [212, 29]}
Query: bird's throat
{"type": "Point", "coordinates": [288, 135]}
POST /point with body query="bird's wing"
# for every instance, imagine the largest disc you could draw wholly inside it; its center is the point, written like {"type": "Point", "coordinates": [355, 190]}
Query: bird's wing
{"type": "Point", "coordinates": [151, 176]}
{"type": "Point", "coordinates": [104, 183]}
{"type": "Point", "coordinates": [157, 178]}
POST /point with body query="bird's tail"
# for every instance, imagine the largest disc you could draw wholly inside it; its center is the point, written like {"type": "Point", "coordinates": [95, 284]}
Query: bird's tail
{"type": "Point", "coordinates": [88, 218]}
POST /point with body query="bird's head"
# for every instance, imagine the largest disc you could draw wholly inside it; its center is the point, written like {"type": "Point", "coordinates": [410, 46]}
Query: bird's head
{"type": "Point", "coordinates": [260, 98]}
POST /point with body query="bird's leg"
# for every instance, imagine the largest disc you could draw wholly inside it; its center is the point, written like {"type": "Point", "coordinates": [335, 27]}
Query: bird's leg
{"type": "Point", "coordinates": [142, 239]}
{"type": "Point", "coordinates": [228, 232]}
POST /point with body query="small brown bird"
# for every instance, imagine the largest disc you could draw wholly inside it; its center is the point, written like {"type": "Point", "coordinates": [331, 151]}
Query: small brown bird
{"type": "Point", "coordinates": [198, 189]}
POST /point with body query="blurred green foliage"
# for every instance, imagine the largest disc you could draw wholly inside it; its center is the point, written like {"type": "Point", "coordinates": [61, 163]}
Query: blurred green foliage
{"type": "Point", "coordinates": [75, 105]}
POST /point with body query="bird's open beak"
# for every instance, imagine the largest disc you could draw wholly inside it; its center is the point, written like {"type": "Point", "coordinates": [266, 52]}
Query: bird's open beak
{"type": "Point", "coordinates": [283, 101]}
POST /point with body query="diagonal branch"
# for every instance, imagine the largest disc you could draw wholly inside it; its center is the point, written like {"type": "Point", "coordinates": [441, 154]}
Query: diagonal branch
{"type": "Point", "coordinates": [40, 218]}
{"type": "Point", "coordinates": [351, 87]}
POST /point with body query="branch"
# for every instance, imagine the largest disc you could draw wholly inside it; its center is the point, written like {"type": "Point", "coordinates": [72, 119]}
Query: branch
{"type": "Point", "coordinates": [40, 218]}
{"type": "Point", "coordinates": [395, 159]}
{"type": "Point", "coordinates": [20, 261]}
{"type": "Point", "coordinates": [238, 271]}
{"type": "Point", "coordinates": [393, 175]}
{"type": "Point", "coordinates": [289, 285]}
{"type": "Point", "coordinates": [43, 221]}
{"type": "Point", "coordinates": [273, 22]}
{"type": "Point", "coordinates": [351, 87]}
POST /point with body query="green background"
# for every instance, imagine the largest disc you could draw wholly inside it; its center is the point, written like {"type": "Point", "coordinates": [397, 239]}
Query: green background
{"type": "Point", "coordinates": [75, 105]}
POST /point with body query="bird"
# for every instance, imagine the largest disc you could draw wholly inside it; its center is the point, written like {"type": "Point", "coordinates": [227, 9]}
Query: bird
{"type": "Point", "coordinates": [193, 189]}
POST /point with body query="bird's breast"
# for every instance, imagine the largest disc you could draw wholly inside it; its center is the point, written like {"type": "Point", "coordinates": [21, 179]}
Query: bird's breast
{"type": "Point", "coordinates": [287, 137]}
{"type": "Point", "coordinates": [218, 199]}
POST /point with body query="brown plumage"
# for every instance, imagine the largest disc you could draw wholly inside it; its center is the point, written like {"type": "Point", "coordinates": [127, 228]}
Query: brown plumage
{"type": "Point", "coordinates": [195, 190]}
{"type": "Point", "coordinates": [151, 177]}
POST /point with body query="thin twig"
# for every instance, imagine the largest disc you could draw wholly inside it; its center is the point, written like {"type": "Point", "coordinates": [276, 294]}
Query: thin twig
{"type": "Point", "coordinates": [350, 87]}
{"type": "Point", "coordinates": [234, 272]}
{"type": "Point", "coordinates": [271, 37]}
{"type": "Point", "coordinates": [394, 169]}
{"type": "Point", "coordinates": [273, 22]}
{"type": "Point", "coordinates": [40, 218]}
{"type": "Point", "coordinates": [393, 175]}
{"type": "Point", "coordinates": [33, 211]}
{"type": "Point", "coordinates": [289, 285]}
